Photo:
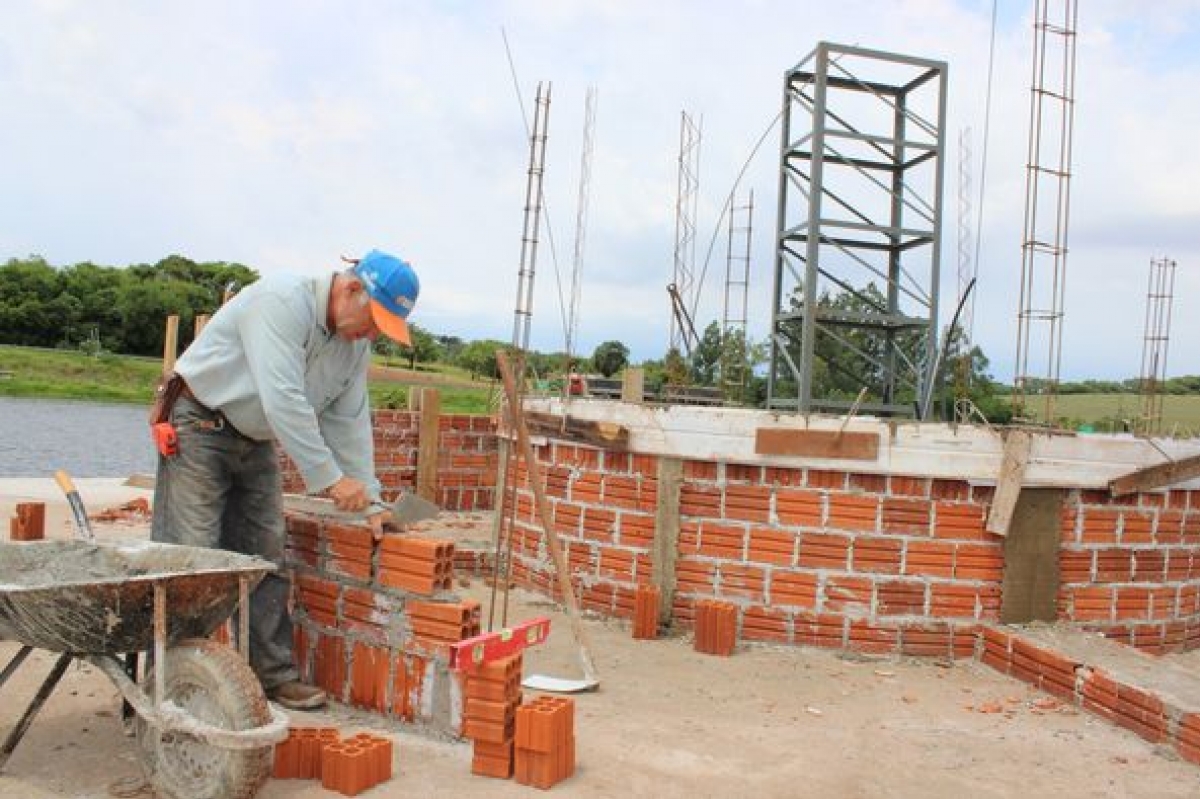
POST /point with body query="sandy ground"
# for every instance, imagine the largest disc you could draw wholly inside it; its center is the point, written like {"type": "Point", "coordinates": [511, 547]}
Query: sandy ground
{"type": "Point", "coordinates": [667, 722]}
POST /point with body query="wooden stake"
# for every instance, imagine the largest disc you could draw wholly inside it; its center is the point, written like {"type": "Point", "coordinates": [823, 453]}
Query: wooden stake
{"type": "Point", "coordinates": [539, 492]}
{"type": "Point", "coordinates": [428, 448]}
{"type": "Point", "coordinates": [171, 344]}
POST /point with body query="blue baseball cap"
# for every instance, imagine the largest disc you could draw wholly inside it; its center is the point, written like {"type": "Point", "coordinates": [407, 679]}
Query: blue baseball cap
{"type": "Point", "coordinates": [393, 287]}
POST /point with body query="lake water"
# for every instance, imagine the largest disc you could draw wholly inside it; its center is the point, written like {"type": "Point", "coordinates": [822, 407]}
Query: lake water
{"type": "Point", "coordinates": [87, 439]}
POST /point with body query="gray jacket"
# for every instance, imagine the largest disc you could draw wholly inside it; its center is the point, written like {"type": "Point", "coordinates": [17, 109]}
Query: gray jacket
{"type": "Point", "coordinates": [268, 362]}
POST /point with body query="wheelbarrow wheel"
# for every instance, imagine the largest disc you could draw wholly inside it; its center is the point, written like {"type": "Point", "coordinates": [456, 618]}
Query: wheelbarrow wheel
{"type": "Point", "coordinates": [212, 683]}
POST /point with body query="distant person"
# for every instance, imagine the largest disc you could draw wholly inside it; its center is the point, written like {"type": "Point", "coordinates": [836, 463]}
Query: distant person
{"type": "Point", "coordinates": [284, 361]}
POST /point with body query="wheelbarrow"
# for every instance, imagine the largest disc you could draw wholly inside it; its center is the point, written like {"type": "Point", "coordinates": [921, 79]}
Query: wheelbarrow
{"type": "Point", "coordinates": [204, 728]}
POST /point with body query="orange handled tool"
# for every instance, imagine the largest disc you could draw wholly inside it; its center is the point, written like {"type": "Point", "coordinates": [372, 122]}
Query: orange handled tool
{"type": "Point", "coordinates": [83, 527]}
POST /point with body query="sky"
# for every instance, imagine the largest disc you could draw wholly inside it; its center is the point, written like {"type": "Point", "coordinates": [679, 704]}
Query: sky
{"type": "Point", "coordinates": [282, 135]}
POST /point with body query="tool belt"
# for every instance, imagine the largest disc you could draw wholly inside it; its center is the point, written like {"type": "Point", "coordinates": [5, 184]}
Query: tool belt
{"type": "Point", "coordinates": [170, 388]}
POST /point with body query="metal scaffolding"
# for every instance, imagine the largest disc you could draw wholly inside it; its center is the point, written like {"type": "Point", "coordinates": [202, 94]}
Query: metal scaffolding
{"type": "Point", "coordinates": [523, 312]}
{"type": "Point", "coordinates": [687, 194]}
{"type": "Point", "coordinates": [734, 367]}
{"type": "Point", "coordinates": [1047, 210]}
{"type": "Point", "coordinates": [1160, 295]}
{"type": "Point", "coordinates": [858, 232]}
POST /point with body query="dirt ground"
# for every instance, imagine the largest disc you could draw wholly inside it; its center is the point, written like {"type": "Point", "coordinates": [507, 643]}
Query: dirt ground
{"type": "Point", "coordinates": [666, 722]}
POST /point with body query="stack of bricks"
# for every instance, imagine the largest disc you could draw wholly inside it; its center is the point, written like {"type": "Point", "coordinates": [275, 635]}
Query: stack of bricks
{"type": "Point", "coordinates": [356, 764]}
{"type": "Point", "coordinates": [443, 622]}
{"type": "Point", "coordinates": [298, 757]}
{"type": "Point", "coordinates": [545, 742]}
{"type": "Point", "coordinates": [30, 522]}
{"type": "Point", "coordinates": [423, 566]}
{"type": "Point", "coordinates": [716, 627]}
{"type": "Point", "coordinates": [493, 693]}
{"type": "Point", "coordinates": [645, 615]}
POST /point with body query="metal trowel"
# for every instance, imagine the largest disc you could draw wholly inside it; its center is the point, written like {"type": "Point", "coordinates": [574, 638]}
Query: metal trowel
{"type": "Point", "coordinates": [407, 509]}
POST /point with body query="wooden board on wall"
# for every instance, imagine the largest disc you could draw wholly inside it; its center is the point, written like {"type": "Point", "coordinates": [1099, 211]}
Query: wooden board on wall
{"type": "Point", "coordinates": [816, 443]}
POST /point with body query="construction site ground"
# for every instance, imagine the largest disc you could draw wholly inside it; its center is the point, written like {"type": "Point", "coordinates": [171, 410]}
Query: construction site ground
{"type": "Point", "coordinates": [666, 721]}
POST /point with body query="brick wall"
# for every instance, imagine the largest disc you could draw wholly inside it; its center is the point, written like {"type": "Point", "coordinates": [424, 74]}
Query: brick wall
{"type": "Point", "coordinates": [1130, 567]}
{"type": "Point", "coordinates": [372, 619]}
{"type": "Point", "coordinates": [873, 563]}
{"type": "Point", "coordinates": [467, 458]}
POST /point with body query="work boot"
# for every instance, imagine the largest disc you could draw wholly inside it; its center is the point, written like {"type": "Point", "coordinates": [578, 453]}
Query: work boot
{"type": "Point", "coordinates": [295, 695]}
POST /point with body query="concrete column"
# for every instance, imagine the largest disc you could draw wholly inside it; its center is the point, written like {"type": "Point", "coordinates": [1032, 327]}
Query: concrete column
{"type": "Point", "coordinates": [666, 534]}
{"type": "Point", "coordinates": [1031, 575]}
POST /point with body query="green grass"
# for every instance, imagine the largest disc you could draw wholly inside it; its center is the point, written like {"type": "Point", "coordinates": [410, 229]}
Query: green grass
{"type": "Point", "coordinates": [1107, 412]}
{"type": "Point", "coordinates": [67, 374]}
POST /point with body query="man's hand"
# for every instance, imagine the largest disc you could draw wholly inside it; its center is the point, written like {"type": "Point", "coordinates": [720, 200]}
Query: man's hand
{"type": "Point", "coordinates": [377, 521]}
{"type": "Point", "coordinates": [349, 494]}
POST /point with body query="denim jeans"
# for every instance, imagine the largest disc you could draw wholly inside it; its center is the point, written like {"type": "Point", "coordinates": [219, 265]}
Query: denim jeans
{"type": "Point", "coordinates": [223, 490]}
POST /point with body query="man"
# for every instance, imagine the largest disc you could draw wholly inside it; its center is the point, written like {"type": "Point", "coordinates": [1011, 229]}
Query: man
{"type": "Point", "coordinates": [284, 361]}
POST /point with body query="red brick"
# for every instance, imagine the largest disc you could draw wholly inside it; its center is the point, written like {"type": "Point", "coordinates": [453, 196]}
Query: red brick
{"type": "Point", "coordinates": [955, 490]}
{"type": "Point", "coordinates": [1075, 566]}
{"type": "Point", "coordinates": [873, 554]}
{"type": "Point", "coordinates": [693, 576]}
{"type": "Point", "coordinates": [617, 564]}
{"type": "Point", "coordinates": [1090, 603]}
{"type": "Point", "coordinates": [900, 598]}
{"type": "Point", "coordinates": [824, 550]}
{"type": "Point", "coordinates": [1113, 565]}
{"type": "Point", "coordinates": [636, 493]}
{"type": "Point", "coordinates": [978, 562]}
{"type": "Point", "coordinates": [1137, 527]}
{"type": "Point", "coordinates": [700, 500]}
{"type": "Point", "coordinates": [742, 580]}
{"type": "Point", "coordinates": [783, 476]}
{"type": "Point", "coordinates": [598, 524]}
{"type": "Point", "coordinates": [769, 545]}
{"type": "Point", "coordinates": [818, 478]}
{"type": "Point", "coordinates": [902, 486]}
{"type": "Point", "coordinates": [843, 593]}
{"type": "Point", "coordinates": [870, 483]}
{"type": "Point", "coordinates": [1098, 525]}
{"type": "Point", "coordinates": [819, 629]}
{"type": "Point", "coordinates": [866, 636]}
{"type": "Point", "coordinates": [797, 507]}
{"type": "Point", "coordinates": [743, 473]}
{"type": "Point", "coordinates": [793, 589]}
{"type": "Point", "coordinates": [699, 470]}
{"type": "Point", "coordinates": [907, 516]}
{"type": "Point", "coordinates": [929, 558]}
{"type": "Point", "coordinates": [853, 511]}
{"type": "Point", "coordinates": [956, 520]}
{"type": "Point", "coordinates": [765, 624]}
{"type": "Point", "coordinates": [748, 503]}
{"type": "Point", "coordinates": [720, 540]}
{"type": "Point", "coordinates": [635, 529]}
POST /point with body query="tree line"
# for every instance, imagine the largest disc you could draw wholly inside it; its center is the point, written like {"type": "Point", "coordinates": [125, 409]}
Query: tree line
{"type": "Point", "coordinates": [122, 310]}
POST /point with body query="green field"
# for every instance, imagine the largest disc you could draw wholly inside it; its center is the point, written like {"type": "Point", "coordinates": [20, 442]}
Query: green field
{"type": "Point", "coordinates": [1113, 412]}
{"type": "Point", "coordinates": [68, 374]}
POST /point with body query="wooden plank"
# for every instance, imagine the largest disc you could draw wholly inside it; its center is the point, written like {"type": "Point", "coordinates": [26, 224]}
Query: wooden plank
{"type": "Point", "coordinates": [1156, 476]}
{"type": "Point", "coordinates": [1017, 444]}
{"type": "Point", "coordinates": [534, 469]}
{"type": "Point", "coordinates": [608, 435]}
{"type": "Point", "coordinates": [429, 447]}
{"type": "Point", "coordinates": [816, 443]}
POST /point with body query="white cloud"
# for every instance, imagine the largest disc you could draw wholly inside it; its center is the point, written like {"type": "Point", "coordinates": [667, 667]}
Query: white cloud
{"type": "Point", "coordinates": [284, 135]}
